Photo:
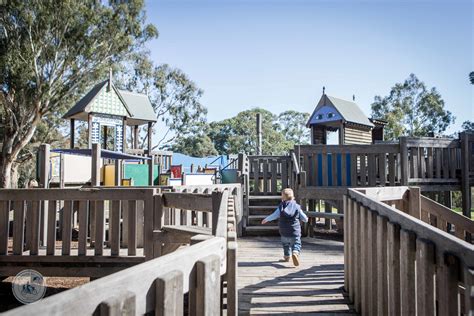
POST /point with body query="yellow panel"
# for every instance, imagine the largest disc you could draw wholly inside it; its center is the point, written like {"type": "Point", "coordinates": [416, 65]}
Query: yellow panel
{"type": "Point", "coordinates": [109, 175]}
{"type": "Point", "coordinates": [126, 182]}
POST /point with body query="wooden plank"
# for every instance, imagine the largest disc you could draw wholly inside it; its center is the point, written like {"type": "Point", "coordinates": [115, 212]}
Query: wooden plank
{"type": "Point", "coordinates": [232, 277]}
{"type": "Point", "coordinates": [343, 170]}
{"type": "Point", "coordinates": [424, 278]}
{"type": "Point", "coordinates": [132, 228]}
{"type": "Point", "coordinates": [208, 286]}
{"type": "Point", "coordinates": [169, 294]}
{"type": "Point", "coordinates": [324, 168]}
{"type": "Point", "coordinates": [404, 161]}
{"type": "Point", "coordinates": [334, 169]}
{"type": "Point", "coordinates": [51, 235]}
{"type": "Point", "coordinates": [429, 162]}
{"type": "Point", "coordinates": [469, 291]}
{"type": "Point", "coordinates": [393, 259]}
{"type": "Point", "coordinates": [148, 218]}
{"type": "Point", "coordinates": [391, 169]}
{"type": "Point", "coordinates": [4, 226]}
{"type": "Point", "coordinates": [382, 268]}
{"type": "Point", "coordinates": [357, 256]}
{"type": "Point", "coordinates": [353, 148]}
{"type": "Point", "coordinates": [407, 272]}
{"type": "Point", "coordinates": [256, 175]}
{"type": "Point", "coordinates": [18, 226]}
{"type": "Point", "coordinates": [372, 265]}
{"type": "Point", "coordinates": [188, 201]}
{"type": "Point", "coordinates": [114, 230]}
{"type": "Point", "coordinates": [439, 160]}
{"type": "Point", "coordinates": [364, 262]}
{"type": "Point", "coordinates": [347, 262]}
{"type": "Point", "coordinates": [123, 304]}
{"type": "Point", "coordinates": [266, 179]}
{"type": "Point", "coordinates": [382, 169]}
{"type": "Point", "coordinates": [35, 227]}
{"type": "Point", "coordinates": [83, 220]}
{"type": "Point", "coordinates": [446, 163]}
{"type": "Point", "coordinates": [414, 204]}
{"type": "Point", "coordinates": [274, 177]}
{"type": "Point", "coordinates": [363, 171]}
{"type": "Point", "coordinates": [354, 170]}
{"type": "Point", "coordinates": [452, 162]}
{"type": "Point", "coordinates": [447, 284]}
{"type": "Point", "coordinates": [99, 228]}
{"type": "Point", "coordinates": [372, 170]}
{"type": "Point", "coordinates": [66, 229]}
{"type": "Point", "coordinates": [284, 173]}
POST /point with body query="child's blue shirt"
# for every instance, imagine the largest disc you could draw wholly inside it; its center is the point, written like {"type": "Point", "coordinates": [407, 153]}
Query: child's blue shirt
{"type": "Point", "coordinates": [276, 214]}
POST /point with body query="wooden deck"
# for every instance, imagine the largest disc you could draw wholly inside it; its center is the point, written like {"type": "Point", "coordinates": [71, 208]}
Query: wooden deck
{"type": "Point", "coordinates": [267, 286]}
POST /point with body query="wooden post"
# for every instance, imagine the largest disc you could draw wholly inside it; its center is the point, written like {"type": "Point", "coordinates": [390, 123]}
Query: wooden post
{"type": "Point", "coordinates": [123, 304]}
{"type": "Point", "coordinates": [150, 162]}
{"type": "Point", "coordinates": [150, 134]}
{"type": "Point", "coordinates": [169, 294]}
{"type": "Point", "coordinates": [135, 137]}
{"type": "Point", "coordinates": [118, 172]}
{"type": "Point", "coordinates": [259, 134]}
{"type": "Point", "coordinates": [89, 130]}
{"type": "Point", "coordinates": [465, 188]}
{"type": "Point", "coordinates": [105, 137]}
{"type": "Point", "coordinates": [95, 172]}
{"type": "Point", "coordinates": [404, 161]}
{"type": "Point", "coordinates": [208, 296]}
{"type": "Point", "coordinates": [44, 183]}
{"type": "Point", "coordinates": [232, 299]}
{"type": "Point", "coordinates": [414, 202]}
{"type": "Point", "coordinates": [73, 129]}
{"type": "Point", "coordinates": [124, 135]}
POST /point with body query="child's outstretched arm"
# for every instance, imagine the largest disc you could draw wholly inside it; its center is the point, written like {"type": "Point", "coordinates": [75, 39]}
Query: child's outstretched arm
{"type": "Point", "coordinates": [303, 216]}
{"type": "Point", "coordinates": [273, 216]}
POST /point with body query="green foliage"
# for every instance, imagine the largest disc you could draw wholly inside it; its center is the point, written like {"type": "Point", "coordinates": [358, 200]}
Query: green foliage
{"type": "Point", "coordinates": [175, 97]}
{"type": "Point", "coordinates": [54, 51]}
{"type": "Point", "coordinates": [238, 134]}
{"type": "Point", "coordinates": [194, 145]}
{"type": "Point", "coordinates": [468, 126]}
{"type": "Point", "coordinates": [293, 126]}
{"type": "Point", "coordinates": [412, 110]}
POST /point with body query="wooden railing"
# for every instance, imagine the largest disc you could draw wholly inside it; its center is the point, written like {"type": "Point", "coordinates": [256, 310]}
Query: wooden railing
{"type": "Point", "coordinates": [193, 277]}
{"type": "Point", "coordinates": [269, 174]}
{"type": "Point", "coordinates": [397, 264]}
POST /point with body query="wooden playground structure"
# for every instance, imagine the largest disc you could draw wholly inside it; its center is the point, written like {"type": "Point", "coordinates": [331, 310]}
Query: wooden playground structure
{"type": "Point", "coordinates": [172, 250]}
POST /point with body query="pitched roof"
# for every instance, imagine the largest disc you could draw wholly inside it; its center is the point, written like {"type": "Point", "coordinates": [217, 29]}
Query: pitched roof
{"type": "Point", "coordinates": [349, 111]}
{"type": "Point", "coordinates": [81, 105]}
{"type": "Point", "coordinates": [139, 105]}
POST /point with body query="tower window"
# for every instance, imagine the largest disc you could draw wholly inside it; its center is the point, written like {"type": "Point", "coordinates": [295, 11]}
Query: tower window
{"type": "Point", "coordinates": [330, 115]}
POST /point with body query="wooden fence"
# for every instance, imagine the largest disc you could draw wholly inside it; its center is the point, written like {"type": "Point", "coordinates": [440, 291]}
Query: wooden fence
{"type": "Point", "coordinates": [113, 227]}
{"type": "Point", "coordinates": [160, 285]}
{"type": "Point", "coordinates": [433, 164]}
{"type": "Point", "coordinates": [269, 174]}
{"type": "Point", "coordinates": [397, 264]}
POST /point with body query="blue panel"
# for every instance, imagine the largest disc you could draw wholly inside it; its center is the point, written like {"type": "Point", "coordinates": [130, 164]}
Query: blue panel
{"type": "Point", "coordinates": [326, 113]}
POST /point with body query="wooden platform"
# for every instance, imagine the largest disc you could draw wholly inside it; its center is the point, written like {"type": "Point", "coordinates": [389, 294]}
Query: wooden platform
{"type": "Point", "coordinates": [267, 286]}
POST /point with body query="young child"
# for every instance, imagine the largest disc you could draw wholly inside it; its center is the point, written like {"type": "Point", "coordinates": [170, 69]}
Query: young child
{"type": "Point", "coordinates": [289, 214]}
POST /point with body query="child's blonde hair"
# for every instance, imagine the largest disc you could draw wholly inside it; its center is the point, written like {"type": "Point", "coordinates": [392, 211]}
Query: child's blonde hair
{"type": "Point", "coordinates": [288, 194]}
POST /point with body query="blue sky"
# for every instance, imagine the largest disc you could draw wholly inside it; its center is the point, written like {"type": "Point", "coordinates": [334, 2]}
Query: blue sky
{"type": "Point", "coordinates": [278, 54]}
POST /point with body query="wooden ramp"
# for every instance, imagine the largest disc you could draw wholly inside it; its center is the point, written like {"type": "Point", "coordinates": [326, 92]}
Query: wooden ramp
{"type": "Point", "coordinates": [267, 286]}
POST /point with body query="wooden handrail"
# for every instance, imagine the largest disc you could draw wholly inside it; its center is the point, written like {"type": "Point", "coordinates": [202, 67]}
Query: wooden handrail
{"type": "Point", "coordinates": [159, 273]}
{"type": "Point", "coordinates": [384, 247]}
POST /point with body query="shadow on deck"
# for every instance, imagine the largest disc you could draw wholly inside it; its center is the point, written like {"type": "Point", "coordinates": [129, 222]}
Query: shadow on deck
{"type": "Point", "coordinates": [267, 286]}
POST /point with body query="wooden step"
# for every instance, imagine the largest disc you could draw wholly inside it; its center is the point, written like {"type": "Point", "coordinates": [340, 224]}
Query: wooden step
{"type": "Point", "coordinates": [261, 230]}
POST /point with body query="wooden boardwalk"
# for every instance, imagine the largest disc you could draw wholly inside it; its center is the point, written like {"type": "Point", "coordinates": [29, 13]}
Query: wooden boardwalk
{"type": "Point", "coordinates": [267, 286]}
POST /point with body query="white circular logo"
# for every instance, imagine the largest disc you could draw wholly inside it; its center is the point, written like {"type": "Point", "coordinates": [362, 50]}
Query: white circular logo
{"type": "Point", "coordinates": [28, 286]}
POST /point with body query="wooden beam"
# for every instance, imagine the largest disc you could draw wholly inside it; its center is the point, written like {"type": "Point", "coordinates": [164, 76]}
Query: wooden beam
{"type": "Point", "coordinates": [72, 132]}
{"type": "Point", "coordinates": [95, 172]}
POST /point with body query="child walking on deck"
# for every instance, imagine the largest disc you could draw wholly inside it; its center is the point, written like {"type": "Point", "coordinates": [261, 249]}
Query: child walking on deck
{"type": "Point", "coordinates": [289, 214]}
